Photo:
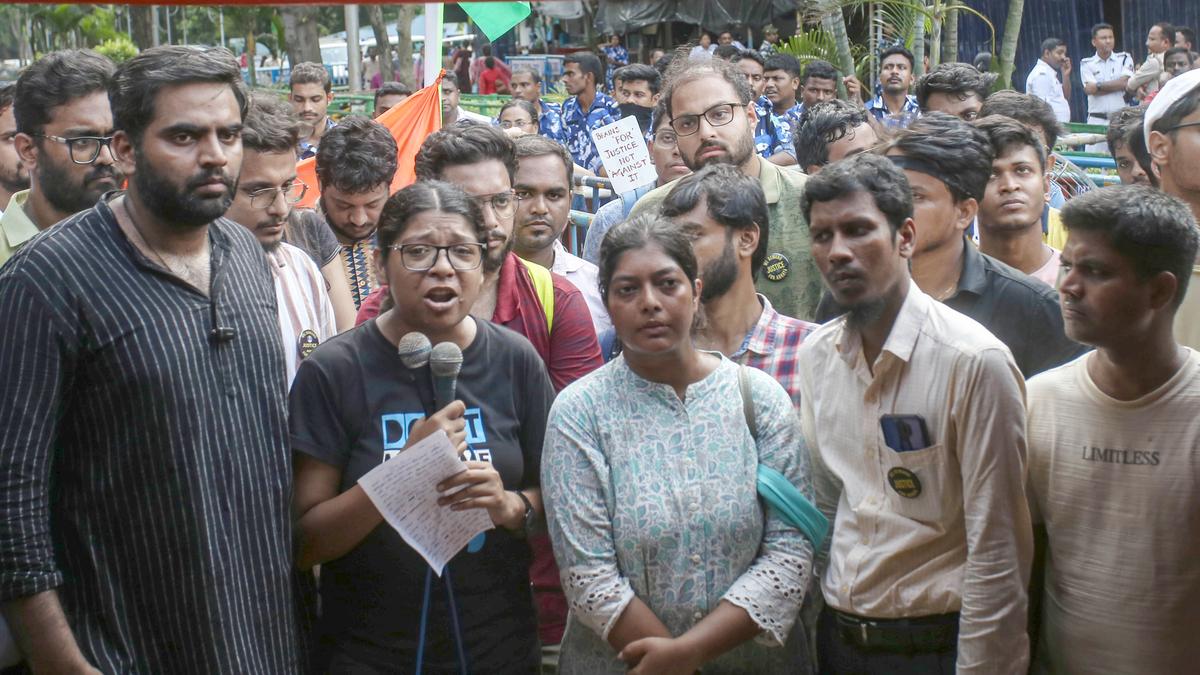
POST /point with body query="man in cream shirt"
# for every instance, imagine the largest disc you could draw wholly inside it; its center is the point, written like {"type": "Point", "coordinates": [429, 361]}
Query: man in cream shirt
{"type": "Point", "coordinates": [914, 415]}
{"type": "Point", "coordinates": [1114, 446]}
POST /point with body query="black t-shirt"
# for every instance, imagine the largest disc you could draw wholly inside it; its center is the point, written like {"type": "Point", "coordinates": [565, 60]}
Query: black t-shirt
{"type": "Point", "coordinates": [308, 231]}
{"type": "Point", "coordinates": [351, 406]}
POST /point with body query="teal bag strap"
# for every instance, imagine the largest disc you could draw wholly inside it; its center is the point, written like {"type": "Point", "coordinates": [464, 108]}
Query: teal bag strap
{"type": "Point", "coordinates": [776, 490]}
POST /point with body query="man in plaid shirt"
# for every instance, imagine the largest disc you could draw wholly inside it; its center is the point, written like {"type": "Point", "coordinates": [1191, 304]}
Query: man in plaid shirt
{"type": "Point", "coordinates": [724, 212]}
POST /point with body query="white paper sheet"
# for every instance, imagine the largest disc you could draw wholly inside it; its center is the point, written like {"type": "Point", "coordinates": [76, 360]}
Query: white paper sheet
{"type": "Point", "coordinates": [624, 154]}
{"type": "Point", "coordinates": [404, 490]}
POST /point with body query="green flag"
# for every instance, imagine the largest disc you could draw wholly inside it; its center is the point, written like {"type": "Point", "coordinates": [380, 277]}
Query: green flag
{"type": "Point", "coordinates": [496, 18]}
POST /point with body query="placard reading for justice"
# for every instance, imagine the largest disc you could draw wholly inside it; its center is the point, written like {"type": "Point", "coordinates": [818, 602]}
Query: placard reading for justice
{"type": "Point", "coordinates": [623, 152]}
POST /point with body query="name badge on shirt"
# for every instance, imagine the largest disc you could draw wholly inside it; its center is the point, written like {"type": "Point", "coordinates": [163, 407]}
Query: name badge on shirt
{"type": "Point", "coordinates": [307, 343]}
{"type": "Point", "coordinates": [904, 482]}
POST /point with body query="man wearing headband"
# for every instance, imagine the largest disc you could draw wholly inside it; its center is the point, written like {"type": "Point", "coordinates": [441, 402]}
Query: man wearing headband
{"type": "Point", "coordinates": [1172, 135]}
{"type": "Point", "coordinates": [948, 163]}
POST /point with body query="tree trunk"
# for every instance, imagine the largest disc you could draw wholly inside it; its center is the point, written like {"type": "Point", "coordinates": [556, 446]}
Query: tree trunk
{"type": "Point", "coordinates": [143, 26]}
{"type": "Point", "coordinates": [383, 48]}
{"type": "Point", "coordinates": [251, 44]}
{"type": "Point", "coordinates": [918, 48]}
{"type": "Point", "coordinates": [300, 26]}
{"type": "Point", "coordinates": [1008, 47]}
{"type": "Point", "coordinates": [835, 23]}
{"type": "Point", "coordinates": [950, 33]}
{"type": "Point", "coordinates": [404, 46]}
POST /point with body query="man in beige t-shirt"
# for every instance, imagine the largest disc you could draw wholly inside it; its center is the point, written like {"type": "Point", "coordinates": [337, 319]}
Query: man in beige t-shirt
{"type": "Point", "coordinates": [1114, 446]}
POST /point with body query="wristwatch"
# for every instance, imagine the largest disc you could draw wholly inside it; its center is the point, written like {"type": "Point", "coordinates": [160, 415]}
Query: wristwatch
{"type": "Point", "coordinates": [527, 523]}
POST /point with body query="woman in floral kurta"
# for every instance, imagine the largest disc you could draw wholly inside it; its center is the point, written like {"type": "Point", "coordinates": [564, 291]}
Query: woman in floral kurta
{"type": "Point", "coordinates": [651, 495]}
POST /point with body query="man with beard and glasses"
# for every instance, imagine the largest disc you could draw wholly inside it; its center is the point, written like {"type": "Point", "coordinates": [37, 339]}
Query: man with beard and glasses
{"type": "Point", "coordinates": [709, 103]}
{"type": "Point", "coordinates": [914, 416]}
{"type": "Point", "coordinates": [542, 185]}
{"type": "Point", "coordinates": [64, 126]}
{"type": "Point", "coordinates": [14, 177]}
{"type": "Point", "coordinates": [145, 474]}
{"type": "Point", "coordinates": [265, 193]}
{"type": "Point", "coordinates": [355, 166]}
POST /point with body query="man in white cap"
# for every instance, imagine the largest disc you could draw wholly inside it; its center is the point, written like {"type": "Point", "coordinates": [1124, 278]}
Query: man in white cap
{"type": "Point", "coordinates": [1172, 129]}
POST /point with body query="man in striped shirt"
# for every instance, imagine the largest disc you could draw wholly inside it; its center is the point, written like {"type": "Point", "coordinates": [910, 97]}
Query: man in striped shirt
{"type": "Point", "coordinates": [145, 513]}
{"type": "Point", "coordinates": [266, 191]}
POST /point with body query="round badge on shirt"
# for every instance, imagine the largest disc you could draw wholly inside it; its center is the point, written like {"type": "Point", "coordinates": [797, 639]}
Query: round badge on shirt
{"type": "Point", "coordinates": [307, 343]}
{"type": "Point", "coordinates": [904, 482]}
{"type": "Point", "coordinates": [776, 267]}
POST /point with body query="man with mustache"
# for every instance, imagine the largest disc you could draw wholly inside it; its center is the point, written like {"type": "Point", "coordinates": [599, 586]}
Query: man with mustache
{"type": "Point", "coordinates": [542, 184]}
{"type": "Point", "coordinates": [145, 474]}
{"type": "Point", "coordinates": [894, 106]}
{"type": "Point", "coordinates": [13, 175]}
{"type": "Point", "coordinates": [914, 417]}
{"type": "Point", "coordinates": [63, 130]}
{"type": "Point", "coordinates": [310, 93]}
{"type": "Point", "coordinates": [266, 190]}
{"type": "Point", "coordinates": [355, 166]}
{"type": "Point", "coordinates": [1010, 214]}
{"type": "Point", "coordinates": [709, 104]}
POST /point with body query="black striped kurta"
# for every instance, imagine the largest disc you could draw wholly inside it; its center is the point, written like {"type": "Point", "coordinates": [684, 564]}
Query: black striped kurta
{"type": "Point", "coordinates": [144, 469]}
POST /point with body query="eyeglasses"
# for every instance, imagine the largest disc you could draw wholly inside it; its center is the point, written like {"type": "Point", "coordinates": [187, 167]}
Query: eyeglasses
{"type": "Point", "coordinates": [718, 116]}
{"type": "Point", "coordinates": [264, 198]}
{"type": "Point", "coordinates": [422, 257]}
{"type": "Point", "coordinates": [665, 139]}
{"type": "Point", "coordinates": [504, 204]}
{"type": "Point", "coordinates": [505, 124]}
{"type": "Point", "coordinates": [1185, 124]}
{"type": "Point", "coordinates": [82, 149]}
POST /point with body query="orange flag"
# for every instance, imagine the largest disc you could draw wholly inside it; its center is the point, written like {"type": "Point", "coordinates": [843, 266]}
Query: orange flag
{"type": "Point", "coordinates": [411, 123]}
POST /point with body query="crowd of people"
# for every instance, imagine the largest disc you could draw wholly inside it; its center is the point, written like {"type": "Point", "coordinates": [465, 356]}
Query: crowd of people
{"type": "Point", "coordinates": [856, 386]}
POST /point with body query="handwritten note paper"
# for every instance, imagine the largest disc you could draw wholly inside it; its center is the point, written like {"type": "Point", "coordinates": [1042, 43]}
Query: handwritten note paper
{"type": "Point", "coordinates": [403, 489]}
{"type": "Point", "coordinates": [623, 152]}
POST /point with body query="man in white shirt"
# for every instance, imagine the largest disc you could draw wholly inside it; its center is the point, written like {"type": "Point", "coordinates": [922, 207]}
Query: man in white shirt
{"type": "Point", "coordinates": [1104, 76]}
{"type": "Point", "coordinates": [914, 415]}
{"type": "Point", "coordinates": [452, 112]}
{"type": "Point", "coordinates": [542, 184]}
{"type": "Point", "coordinates": [1114, 446]}
{"type": "Point", "coordinates": [1150, 75]}
{"type": "Point", "coordinates": [1043, 80]}
{"type": "Point", "coordinates": [267, 189]}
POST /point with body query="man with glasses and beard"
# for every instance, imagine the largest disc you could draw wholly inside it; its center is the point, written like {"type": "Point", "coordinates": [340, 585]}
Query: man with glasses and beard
{"type": "Point", "coordinates": [13, 175]}
{"type": "Point", "coordinates": [266, 191]}
{"type": "Point", "coordinates": [355, 165]}
{"type": "Point", "coordinates": [709, 103]}
{"type": "Point", "coordinates": [145, 514]}
{"type": "Point", "coordinates": [64, 126]}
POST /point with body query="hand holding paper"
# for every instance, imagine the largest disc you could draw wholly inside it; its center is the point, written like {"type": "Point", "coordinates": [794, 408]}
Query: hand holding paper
{"type": "Point", "coordinates": [404, 489]}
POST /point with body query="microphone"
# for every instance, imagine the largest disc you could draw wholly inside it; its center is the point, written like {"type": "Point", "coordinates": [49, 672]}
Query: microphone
{"type": "Point", "coordinates": [414, 350]}
{"type": "Point", "coordinates": [445, 362]}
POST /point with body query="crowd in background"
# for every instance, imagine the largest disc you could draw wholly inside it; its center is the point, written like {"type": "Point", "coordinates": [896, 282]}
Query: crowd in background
{"type": "Point", "coordinates": [862, 383]}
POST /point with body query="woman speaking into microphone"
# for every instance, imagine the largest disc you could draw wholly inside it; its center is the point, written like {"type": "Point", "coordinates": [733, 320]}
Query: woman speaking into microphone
{"type": "Point", "coordinates": [354, 404]}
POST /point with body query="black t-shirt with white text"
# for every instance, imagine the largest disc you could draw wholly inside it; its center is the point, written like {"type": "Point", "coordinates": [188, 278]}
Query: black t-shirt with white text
{"type": "Point", "coordinates": [351, 406]}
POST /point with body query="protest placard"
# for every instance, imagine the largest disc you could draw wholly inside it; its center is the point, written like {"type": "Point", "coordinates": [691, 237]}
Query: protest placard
{"type": "Point", "coordinates": [623, 152]}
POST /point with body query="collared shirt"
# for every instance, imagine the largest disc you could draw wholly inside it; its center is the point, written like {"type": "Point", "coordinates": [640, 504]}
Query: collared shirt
{"type": "Point", "coordinates": [879, 110]}
{"type": "Point", "coordinates": [767, 48]}
{"type": "Point", "coordinates": [619, 54]}
{"type": "Point", "coordinates": [550, 121]}
{"type": "Point", "coordinates": [15, 227]}
{"type": "Point", "coordinates": [772, 133]}
{"type": "Point", "coordinates": [578, 125]}
{"type": "Point", "coordinates": [1043, 83]}
{"type": "Point", "coordinates": [584, 276]}
{"type": "Point", "coordinates": [1150, 74]}
{"type": "Point", "coordinates": [305, 311]}
{"type": "Point", "coordinates": [144, 467]}
{"type": "Point", "coordinates": [789, 277]}
{"type": "Point", "coordinates": [1094, 70]}
{"type": "Point", "coordinates": [771, 346]}
{"type": "Point", "coordinates": [961, 540]}
{"type": "Point", "coordinates": [307, 149]}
